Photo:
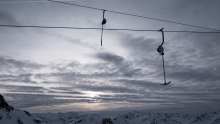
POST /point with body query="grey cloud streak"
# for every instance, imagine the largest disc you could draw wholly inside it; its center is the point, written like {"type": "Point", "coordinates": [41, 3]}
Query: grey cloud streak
{"type": "Point", "coordinates": [24, 78]}
{"type": "Point", "coordinates": [9, 65]}
{"type": "Point", "coordinates": [27, 89]}
{"type": "Point", "coordinates": [7, 18]}
{"type": "Point", "coordinates": [33, 100]}
{"type": "Point", "coordinates": [110, 57]}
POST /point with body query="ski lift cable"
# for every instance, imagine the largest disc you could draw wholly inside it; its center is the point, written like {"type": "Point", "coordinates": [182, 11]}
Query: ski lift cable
{"type": "Point", "coordinates": [135, 15]}
{"type": "Point", "coordinates": [30, 1]}
{"type": "Point", "coordinates": [110, 29]}
{"type": "Point", "coordinates": [7, 2]}
{"type": "Point", "coordinates": [179, 23]}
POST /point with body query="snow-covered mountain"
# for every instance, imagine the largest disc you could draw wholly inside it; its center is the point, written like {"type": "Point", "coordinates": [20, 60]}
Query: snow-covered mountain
{"type": "Point", "coordinates": [131, 118]}
{"type": "Point", "coordinates": [9, 115]}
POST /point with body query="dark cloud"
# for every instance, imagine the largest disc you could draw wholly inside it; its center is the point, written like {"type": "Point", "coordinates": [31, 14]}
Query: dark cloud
{"type": "Point", "coordinates": [120, 65]}
{"type": "Point", "coordinates": [64, 90]}
{"type": "Point", "coordinates": [206, 44]}
{"type": "Point", "coordinates": [113, 66]}
{"type": "Point", "coordinates": [17, 66]}
{"type": "Point", "coordinates": [7, 18]}
{"type": "Point", "coordinates": [24, 78]}
{"type": "Point", "coordinates": [109, 88]}
{"type": "Point", "coordinates": [138, 83]}
{"type": "Point", "coordinates": [80, 85]}
{"type": "Point", "coordinates": [33, 100]}
{"type": "Point", "coordinates": [140, 46]}
{"type": "Point", "coordinates": [202, 75]}
{"type": "Point", "coordinates": [146, 87]}
{"type": "Point", "coordinates": [27, 89]}
{"type": "Point", "coordinates": [109, 57]}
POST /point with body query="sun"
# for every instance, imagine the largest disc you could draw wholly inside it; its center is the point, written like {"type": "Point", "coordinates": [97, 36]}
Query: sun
{"type": "Point", "coordinates": [92, 94]}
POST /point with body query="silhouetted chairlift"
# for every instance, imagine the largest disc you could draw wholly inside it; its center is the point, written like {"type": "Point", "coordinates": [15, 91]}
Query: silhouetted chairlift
{"type": "Point", "coordinates": [160, 49]}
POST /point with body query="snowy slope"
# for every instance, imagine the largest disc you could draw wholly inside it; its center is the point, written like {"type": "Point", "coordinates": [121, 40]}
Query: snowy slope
{"type": "Point", "coordinates": [146, 118]}
{"type": "Point", "coordinates": [9, 115]}
{"type": "Point", "coordinates": [58, 118]}
{"type": "Point", "coordinates": [17, 117]}
{"type": "Point", "coordinates": [72, 118]}
{"type": "Point", "coordinates": [210, 118]}
{"type": "Point", "coordinates": [131, 118]}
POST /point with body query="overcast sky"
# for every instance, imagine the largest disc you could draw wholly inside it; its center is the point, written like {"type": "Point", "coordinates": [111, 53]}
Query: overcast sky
{"type": "Point", "coordinates": [61, 70]}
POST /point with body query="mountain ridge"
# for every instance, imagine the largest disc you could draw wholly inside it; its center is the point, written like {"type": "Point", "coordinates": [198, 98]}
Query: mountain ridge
{"type": "Point", "coordinates": [9, 115]}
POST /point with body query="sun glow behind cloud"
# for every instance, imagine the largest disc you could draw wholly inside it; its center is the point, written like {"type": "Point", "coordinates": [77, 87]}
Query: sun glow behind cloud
{"type": "Point", "coordinates": [93, 94]}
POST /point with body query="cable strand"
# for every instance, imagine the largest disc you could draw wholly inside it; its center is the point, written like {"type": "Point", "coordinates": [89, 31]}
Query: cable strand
{"type": "Point", "coordinates": [178, 23]}
{"type": "Point", "coordinates": [136, 15]}
{"type": "Point", "coordinates": [78, 28]}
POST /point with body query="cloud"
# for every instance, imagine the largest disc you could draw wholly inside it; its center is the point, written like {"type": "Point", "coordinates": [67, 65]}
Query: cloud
{"type": "Point", "coordinates": [134, 80]}
{"type": "Point", "coordinates": [26, 89]}
{"type": "Point", "coordinates": [33, 100]}
{"type": "Point", "coordinates": [7, 18]}
{"type": "Point", "coordinates": [10, 66]}
{"type": "Point", "coordinates": [109, 57]}
{"type": "Point", "coordinates": [24, 78]}
{"type": "Point", "coordinates": [109, 88]}
{"type": "Point", "coordinates": [140, 46]}
{"type": "Point", "coordinates": [202, 75]}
